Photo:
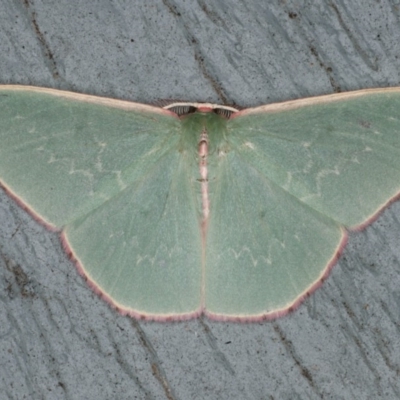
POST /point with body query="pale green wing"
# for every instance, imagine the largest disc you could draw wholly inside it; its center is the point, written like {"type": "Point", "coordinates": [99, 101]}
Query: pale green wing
{"type": "Point", "coordinates": [292, 177]}
{"type": "Point", "coordinates": [340, 154]}
{"type": "Point", "coordinates": [65, 153]}
{"type": "Point", "coordinates": [143, 246]}
{"type": "Point", "coordinates": [111, 175]}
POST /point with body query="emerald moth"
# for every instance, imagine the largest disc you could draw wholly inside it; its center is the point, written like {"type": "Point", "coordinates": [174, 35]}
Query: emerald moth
{"type": "Point", "coordinates": [195, 208]}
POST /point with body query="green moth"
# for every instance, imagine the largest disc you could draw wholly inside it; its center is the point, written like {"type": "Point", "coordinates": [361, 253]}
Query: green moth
{"type": "Point", "coordinates": [198, 208]}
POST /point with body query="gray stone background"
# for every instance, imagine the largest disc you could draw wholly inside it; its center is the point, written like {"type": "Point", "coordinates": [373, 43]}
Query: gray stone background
{"type": "Point", "coordinates": [58, 340]}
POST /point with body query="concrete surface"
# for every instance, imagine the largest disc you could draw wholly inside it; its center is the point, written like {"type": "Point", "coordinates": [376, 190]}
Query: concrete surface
{"type": "Point", "coordinates": [58, 340]}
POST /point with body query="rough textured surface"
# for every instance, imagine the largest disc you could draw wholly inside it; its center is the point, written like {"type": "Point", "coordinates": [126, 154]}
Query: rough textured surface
{"type": "Point", "coordinates": [59, 341]}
